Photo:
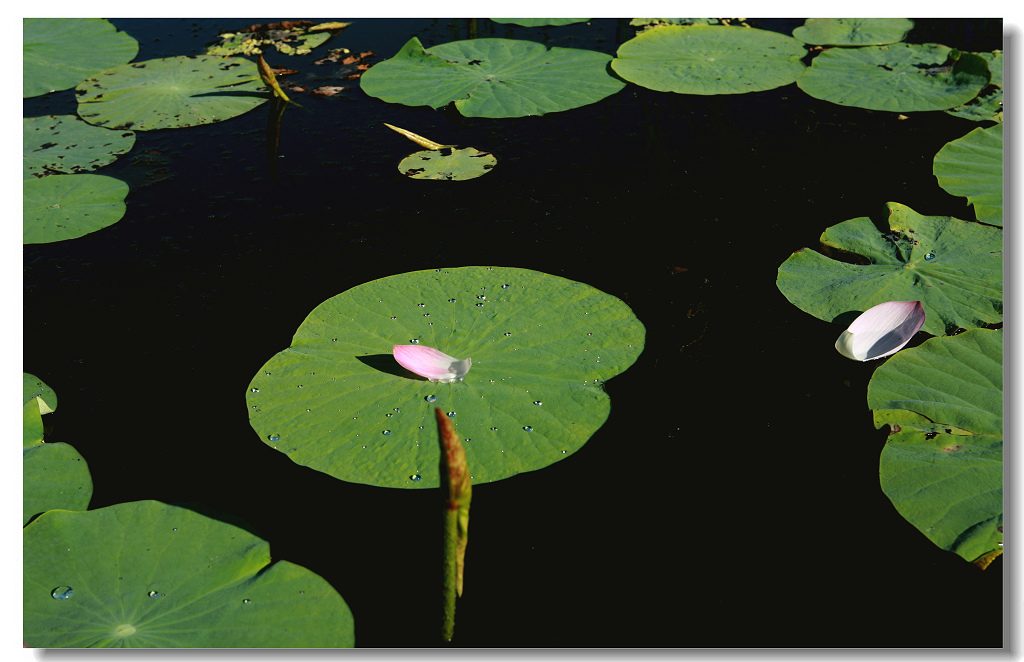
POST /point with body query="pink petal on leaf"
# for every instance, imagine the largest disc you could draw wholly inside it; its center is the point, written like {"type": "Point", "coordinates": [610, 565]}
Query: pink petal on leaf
{"type": "Point", "coordinates": [881, 330]}
{"type": "Point", "coordinates": [431, 363]}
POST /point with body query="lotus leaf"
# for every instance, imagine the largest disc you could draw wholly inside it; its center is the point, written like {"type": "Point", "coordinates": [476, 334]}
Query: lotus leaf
{"type": "Point", "coordinates": [66, 144]}
{"type": "Point", "coordinates": [171, 93]}
{"type": "Point", "coordinates": [59, 53]}
{"type": "Point", "coordinates": [853, 31]}
{"type": "Point", "coordinates": [338, 402]}
{"type": "Point", "coordinates": [954, 268]}
{"type": "Point", "coordinates": [290, 38]}
{"type": "Point", "coordinates": [899, 77]}
{"type": "Point", "coordinates": [710, 59]}
{"type": "Point", "coordinates": [540, 22]}
{"type": "Point", "coordinates": [972, 167]}
{"type": "Point", "coordinates": [55, 476]}
{"type": "Point", "coordinates": [942, 465]}
{"type": "Point", "coordinates": [68, 206]}
{"type": "Point", "coordinates": [492, 77]}
{"type": "Point", "coordinates": [150, 575]}
{"type": "Point", "coordinates": [447, 164]}
{"type": "Point", "coordinates": [33, 388]}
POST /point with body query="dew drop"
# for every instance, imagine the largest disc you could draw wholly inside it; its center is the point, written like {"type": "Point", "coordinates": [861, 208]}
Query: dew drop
{"type": "Point", "coordinates": [481, 296]}
{"type": "Point", "coordinates": [528, 428]}
{"type": "Point", "coordinates": [389, 414]}
{"type": "Point", "coordinates": [398, 410]}
{"type": "Point", "coordinates": [275, 437]}
{"type": "Point", "coordinates": [255, 390]}
{"type": "Point", "coordinates": [479, 305]}
{"type": "Point", "coordinates": [451, 300]}
{"type": "Point", "coordinates": [62, 593]}
{"type": "Point", "coordinates": [246, 601]}
{"type": "Point", "coordinates": [451, 414]}
{"type": "Point", "coordinates": [394, 318]}
{"type": "Point", "coordinates": [505, 286]}
{"type": "Point", "coordinates": [334, 340]}
{"type": "Point", "coordinates": [266, 373]}
{"type": "Point", "coordinates": [385, 433]}
{"type": "Point", "coordinates": [415, 478]}
{"type": "Point", "coordinates": [154, 594]}
{"type": "Point", "coordinates": [431, 398]}
{"type": "Point", "coordinates": [494, 429]}
{"type": "Point", "coordinates": [422, 305]}
{"type": "Point", "coordinates": [930, 256]}
{"type": "Point", "coordinates": [590, 334]}
{"type": "Point", "coordinates": [508, 333]}
{"type": "Point", "coordinates": [537, 402]}
{"type": "Point", "coordinates": [426, 314]}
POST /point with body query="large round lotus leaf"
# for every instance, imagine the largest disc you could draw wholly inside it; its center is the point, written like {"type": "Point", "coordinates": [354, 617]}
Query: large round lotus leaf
{"type": "Point", "coordinates": [447, 164]}
{"type": "Point", "coordinates": [898, 77]}
{"type": "Point", "coordinates": [32, 425]}
{"type": "Point", "coordinates": [710, 59]}
{"type": "Point", "coordinates": [337, 400]}
{"type": "Point", "coordinates": [68, 206]}
{"type": "Point", "coordinates": [954, 268]}
{"type": "Point", "coordinates": [33, 388]}
{"type": "Point", "coordinates": [171, 93]}
{"type": "Point", "coordinates": [540, 22]}
{"type": "Point", "coordinates": [55, 477]}
{"type": "Point", "coordinates": [942, 465]}
{"type": "Point", "coordinates": [972, 167]}
{"type": "Point", "coordinates": [853, 31]}
{"type": "Point", "coordinates": [148, 575]}
{"type": "Point", "coordinates": [59, 53]}
{"type": "Point", "coordinates": [64, 143]}
{"type": "Point", "coordinates": [492, 77]}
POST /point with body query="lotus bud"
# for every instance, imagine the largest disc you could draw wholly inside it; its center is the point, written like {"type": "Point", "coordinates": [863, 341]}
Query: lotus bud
{"type": "Point", "coordinates": [431, 363]}
{"type": "Point", "coordinates": [881, 330]}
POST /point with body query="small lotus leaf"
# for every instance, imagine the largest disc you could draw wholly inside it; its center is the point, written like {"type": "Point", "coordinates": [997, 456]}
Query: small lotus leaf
{"type": "Point", "coordinates": [59, 53]}
{"type": "Point", "coordinates": [33, 388]}
{"type": "Point", "coordinates": [171, 93]}
{"type": "Point", "coordinates": [853, 31]}
{"type": "Point", "coordinates": [67, 206]}
{"type": "Point", "coordinates": [942, 465]}
{"type": "Point", "coordinates": [492, 77]}
{"type": "Point", "coordinates": [710, 59]}
{"type": "Point", "coordinates": [66, 144]}
{"type": "Point", "coordinates": [148, 575]}
{"type": "Point", "coordinates": [540, 22]}
{"type": "Point", "coordinates": [954, 268]}
{"type": "Point", "coordinates": [55, 476]}
{"type": "Point", "coordinates": [899, 77]}
{"type": "Point", "coordinates": [338, 402]}
{"type": "Point", "coordinates": [447, 164]}
{"type": "Point", "coordinates": [972, 167]}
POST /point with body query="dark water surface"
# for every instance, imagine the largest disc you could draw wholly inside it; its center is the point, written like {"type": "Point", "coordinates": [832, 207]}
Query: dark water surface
{"type": "Point", "coordinates": [732, 497]}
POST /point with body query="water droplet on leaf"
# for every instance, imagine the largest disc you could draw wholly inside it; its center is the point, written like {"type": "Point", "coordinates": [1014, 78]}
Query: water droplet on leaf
{"type": "Point", "coordinates": [386, 432]}
{"type": "Point", "coordinates": [930, 256]}
{"type": "Point", "coordinates": [431, 398]}
{"type": "Point", "coordinates": [528, 428]}
{"type": "Point", "coordinates": [62, 593]}
{"type": "Point", "coordinates": [275, 437]}
{"type": "Point", "coordinates": [415, 478]}
{"type": "Point", "coordinates": [451, 414]}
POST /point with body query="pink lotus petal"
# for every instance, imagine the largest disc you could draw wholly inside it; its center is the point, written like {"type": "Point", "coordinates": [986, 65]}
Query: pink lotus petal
{"type": "Point", "coordinates": [431, 363]}
{"type": "Point", "coordinates": [881, 330]}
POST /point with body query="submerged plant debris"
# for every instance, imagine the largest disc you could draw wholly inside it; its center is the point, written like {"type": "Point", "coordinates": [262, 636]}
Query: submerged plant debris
{"type": "Point", "coordinates": [288, 37]}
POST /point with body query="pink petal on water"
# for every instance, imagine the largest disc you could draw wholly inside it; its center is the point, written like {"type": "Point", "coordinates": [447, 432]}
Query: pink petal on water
{"type": "Point", "coordinates": [431, 363]}
{"type": "Point", "coordinates": [881, 330]}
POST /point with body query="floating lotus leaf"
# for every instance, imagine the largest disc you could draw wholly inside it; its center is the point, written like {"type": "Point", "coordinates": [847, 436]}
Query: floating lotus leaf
{"type": "Point", "coordinates": [492, 77]}
{"type": "Point", "coordinates": [55, 476]}
{"type": "Point", "coordinates": [59, 53]}
{"type": "Point", "coordinates": [66, 144]}
{"type": "Point", "coordinates": [447, 164]}
{"type": "Point", "coordinates": [954, 268]}
{"type": "Point", "coordinates": [972, 167]}
{"type": "Point", "coordinates": [67, 206]}
{"type": "Point", "coordinates": [149, 575]}
{"type": "Point", "coordinates": [33, 388]}
{"type": "Point", "coordinates": [710, 59]}
{"type": "Point", "coordinates": [171, 93]}
{"type": "Point", "coordinates": [853, 31]}
{"type": "Point", "coordinates": [338, 402]}
{"type": "Point", "coordinates": [899, 77]}
{"type": "Point", "coordinates": [540, 22]}
{"type": "Point", "coordinates": [942, 465]}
